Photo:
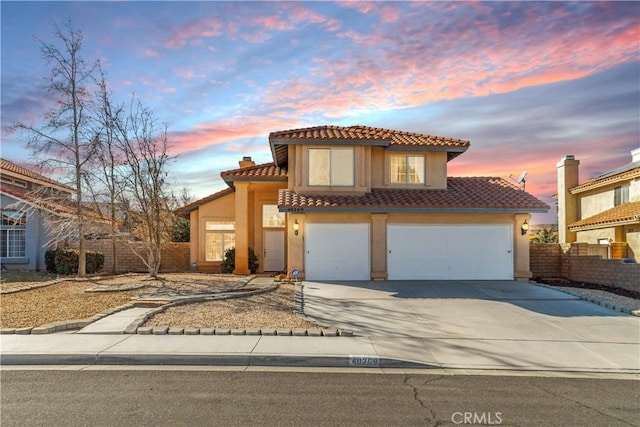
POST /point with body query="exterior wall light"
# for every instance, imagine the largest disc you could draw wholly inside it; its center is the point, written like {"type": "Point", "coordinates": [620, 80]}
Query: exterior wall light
{"type": "Point", "coordinates": [525, 227]}
{"type": "Point", "coordinates": [296, 227]}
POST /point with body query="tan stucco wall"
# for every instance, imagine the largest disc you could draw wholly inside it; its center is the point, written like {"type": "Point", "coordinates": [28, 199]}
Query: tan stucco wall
{"type": "Point", "coordinates": [633, 240]}
{"type": "Point", "coordinates": [592, 236]}
{"type": "Point", "coordinates": [247, 202]}
{"type": "Point", "coordinates": [222, 209]}
{"type": "Point", "coordinates": [371, 170]}
{"type": "Point", "coordinates": [634, 190]}
{"type": "Point", "coordinates": [378, 227]}
{"type": "Point", "coordinates": [595, 202]}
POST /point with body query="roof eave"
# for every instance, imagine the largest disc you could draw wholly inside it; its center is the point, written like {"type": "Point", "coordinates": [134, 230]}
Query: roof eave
{"type": "Point", "coordinates": [631, 221]}
{"type": "Point", "coordinates": [383, 209]}
{"type": "Point", "coordinates": [603, 182]}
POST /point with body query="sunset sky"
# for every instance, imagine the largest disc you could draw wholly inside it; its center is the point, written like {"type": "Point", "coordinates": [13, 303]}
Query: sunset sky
{"type": "Point", "coordinates": [525, 82]}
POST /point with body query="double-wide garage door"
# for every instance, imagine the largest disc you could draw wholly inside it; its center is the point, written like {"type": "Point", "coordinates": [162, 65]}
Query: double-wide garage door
{"type": "Point", "coordinates": [449, 252]}
{"type": "Point", "coordinates": [414, 252]}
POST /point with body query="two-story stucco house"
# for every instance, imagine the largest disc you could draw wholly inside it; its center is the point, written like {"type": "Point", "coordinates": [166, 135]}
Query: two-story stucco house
{"type": "Point", "coordinates": [23, 231]}
{"type": "Point", "coordinates": [363, 203]}
{"type": "Point", "coordinates": [602, 210]}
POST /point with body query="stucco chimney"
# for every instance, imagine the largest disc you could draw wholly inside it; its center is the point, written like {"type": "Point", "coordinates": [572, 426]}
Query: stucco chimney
{"type": "Point", "coordinates": [635, 155]}
{"type": "Point", "coordinates": [246, 162]}
{"type": "Point", "coordinates": [568, 208]}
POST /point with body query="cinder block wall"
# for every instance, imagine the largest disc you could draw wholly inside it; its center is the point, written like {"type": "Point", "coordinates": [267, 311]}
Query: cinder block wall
{"type": "Point", "coordinates": [570, 261]}
{"type": "Point", "coordinates": [545, 260]}
{"type": "Point", "coordinates": [175, 256]}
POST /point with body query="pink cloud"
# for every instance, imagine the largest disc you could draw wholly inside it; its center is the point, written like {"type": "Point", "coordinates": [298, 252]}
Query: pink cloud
{"type": "Point", "coordinates": [273, 22]}
{"type": "Point", "coordinates": [194, 32]}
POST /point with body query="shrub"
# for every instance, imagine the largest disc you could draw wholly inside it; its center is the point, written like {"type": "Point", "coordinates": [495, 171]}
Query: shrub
{"type": "Point", "coordinates": [50, 260]}
{"type": "Point", "coordinates": [65, 261]}
{"type": "Point", "coordinates": [229, 262]}
{"type": "Point", "coordinates": [95, 262]}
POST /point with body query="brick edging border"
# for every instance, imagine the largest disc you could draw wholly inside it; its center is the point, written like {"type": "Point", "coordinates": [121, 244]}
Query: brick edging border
{"type": "Point", "coordinates": [64, 325]}
{"type": "Point", "coordinates": [136, 328]}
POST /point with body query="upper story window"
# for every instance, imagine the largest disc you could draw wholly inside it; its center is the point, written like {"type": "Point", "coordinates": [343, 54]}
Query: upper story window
{"type": "Point", "coordinates": [621, 194]}
{"type": "Point", "coordinates": [271, 217]}
{"type": "Point", "coordinates": [331, 167]}
{"type": "Point", "coordinates": [13, 181]}
{"type": "Point", "coordinates": [406, 169]}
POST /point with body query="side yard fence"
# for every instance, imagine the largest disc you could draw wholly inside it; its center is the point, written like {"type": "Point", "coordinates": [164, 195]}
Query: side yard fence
{"type": "Point", "coordinates": [175, 256]}
{"type": "Point", "coordinates": [575, 262]}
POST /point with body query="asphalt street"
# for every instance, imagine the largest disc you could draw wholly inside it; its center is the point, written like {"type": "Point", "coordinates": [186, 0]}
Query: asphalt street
{"type": "Point", "coordinates": [232, 398]}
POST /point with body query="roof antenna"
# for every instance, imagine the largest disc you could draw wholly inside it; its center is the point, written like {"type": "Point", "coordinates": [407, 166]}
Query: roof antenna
{"type": "Point", "coordinates": [521, 179]}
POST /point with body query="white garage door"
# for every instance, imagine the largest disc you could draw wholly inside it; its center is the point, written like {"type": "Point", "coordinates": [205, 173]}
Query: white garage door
{"type": "Point", "coordinates": [337, 252]}
{"type": "Point", "coordinates": [449, 252]}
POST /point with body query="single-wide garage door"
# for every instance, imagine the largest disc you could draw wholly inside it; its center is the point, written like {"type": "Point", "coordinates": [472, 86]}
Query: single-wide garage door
{"type": "Point", "coordinates": [449, 252]}
{"type": "Point", "coordinates": [337, 252]}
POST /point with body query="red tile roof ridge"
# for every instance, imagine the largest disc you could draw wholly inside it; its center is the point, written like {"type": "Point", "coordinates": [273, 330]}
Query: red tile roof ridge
{"type": "Point", "coordinates": [358, 132]}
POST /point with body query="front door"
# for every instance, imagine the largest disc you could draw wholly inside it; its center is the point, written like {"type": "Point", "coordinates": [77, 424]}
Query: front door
{"type": "Point", "coordinates": [273, 250]}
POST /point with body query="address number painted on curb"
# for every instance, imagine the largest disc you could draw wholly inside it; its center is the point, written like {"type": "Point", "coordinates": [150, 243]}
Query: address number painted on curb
{"type": "Point", "coordinates": [364, 360]}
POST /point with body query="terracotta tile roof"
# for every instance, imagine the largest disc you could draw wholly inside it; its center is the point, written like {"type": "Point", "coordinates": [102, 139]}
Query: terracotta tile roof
{"type": "Point", "coordinates": [58, 205]}
{"type": "Point", "coordinates": [6, 165]}
{"type": "Point", "coordinates": [363, 134]}
{"type": "Point", "coordinates": [473, 193]}
{"type": "Point", "coordinates": [627, 175]}
{"type": "Point", "coordinates": [263, 172]}
{"type": "Point", "coordinates": [366, 133]}
{"type": "Point", "coordinates": [626, 213]}
{"type": "Point", "coordinates": [195, 205]}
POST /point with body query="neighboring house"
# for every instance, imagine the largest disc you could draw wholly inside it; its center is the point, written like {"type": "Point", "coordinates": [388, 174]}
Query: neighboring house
{"type": "Point", "coordinates": [363, 203]}
{"type": "Point", "coordinates": [24, 235]}
{"type": "Point", "coordinates": [602, 210]}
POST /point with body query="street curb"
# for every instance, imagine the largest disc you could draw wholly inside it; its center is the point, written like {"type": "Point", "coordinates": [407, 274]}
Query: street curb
{"type": "Point", "coordinates": [595, 300]}
{"type": "Point", "coordinates": [321, 361]}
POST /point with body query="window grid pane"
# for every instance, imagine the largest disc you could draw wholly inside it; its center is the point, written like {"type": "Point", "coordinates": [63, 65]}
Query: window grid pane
{"type": "Point", "coordinates": [13, 244]}
{"type": "Point", "coordinates": [415, 167]}
{"type": "Point", "coordinates": [319, 164]}
{"type": "Point", "coordinates": [216, 244]}
{"type": "Point", "coordinates": [342, 166]}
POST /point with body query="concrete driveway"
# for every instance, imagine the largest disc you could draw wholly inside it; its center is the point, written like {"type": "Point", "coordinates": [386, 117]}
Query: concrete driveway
{"type": "Point", "coordinates": [494, 321]}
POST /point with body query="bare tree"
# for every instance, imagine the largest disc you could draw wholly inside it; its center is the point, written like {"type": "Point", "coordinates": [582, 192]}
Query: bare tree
{"type": "Point", "coordinates": [143, 140]}
{"type": "Point", "coordinates": [106, 184]}
{"type": "Point", "coordinates": [63, 137]}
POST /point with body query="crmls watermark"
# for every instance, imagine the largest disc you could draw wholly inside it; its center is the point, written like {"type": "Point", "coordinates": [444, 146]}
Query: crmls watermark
{"type": "Point", "coordinates": [482, 418]}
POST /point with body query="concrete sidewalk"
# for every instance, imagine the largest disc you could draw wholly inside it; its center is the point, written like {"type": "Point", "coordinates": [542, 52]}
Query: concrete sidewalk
{"type": "Point", "coordinates": [379, 352]}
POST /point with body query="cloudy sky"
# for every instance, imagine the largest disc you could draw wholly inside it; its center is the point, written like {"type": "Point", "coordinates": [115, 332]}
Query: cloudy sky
{"type": "Point", "coordinates": [525, 82]}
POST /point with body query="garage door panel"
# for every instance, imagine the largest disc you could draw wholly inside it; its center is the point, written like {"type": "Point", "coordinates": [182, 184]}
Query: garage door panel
{"type": "Point", "coordinates": [337, 252]}
{"type": "Point", "coordinates": [449, 252]}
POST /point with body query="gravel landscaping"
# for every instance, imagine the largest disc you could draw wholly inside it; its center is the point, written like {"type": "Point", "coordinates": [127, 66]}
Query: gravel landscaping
{"type": "Point", "coordinates": [68, 300]}
{"type": "Point", "coordinates": [268, 310]}
{"type": "Point", "coordinates": [62, 301]}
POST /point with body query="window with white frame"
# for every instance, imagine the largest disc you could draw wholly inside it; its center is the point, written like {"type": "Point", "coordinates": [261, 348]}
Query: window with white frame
{"type": "Point", "coordinates": [13, 234]}
{"type": "Point", "coordinates": [331, 167]}
{"type": "Point", "coordinates": [406, 169]}
{"type": "Point", "coordinates": [271, 217]}
{"type": "Point", "coordinates": [219, 237]}
{"type": "Point", "coordinates": [621, 194]}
